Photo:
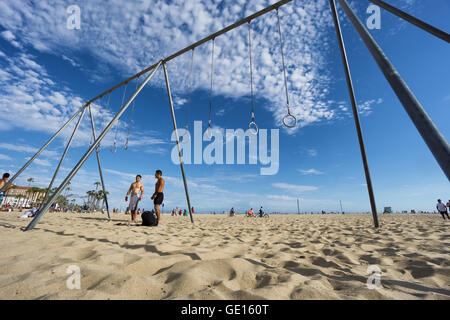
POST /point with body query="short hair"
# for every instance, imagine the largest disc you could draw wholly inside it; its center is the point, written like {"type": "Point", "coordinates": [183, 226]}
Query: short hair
{"type": "Point", "coordinates": [159, 172]}
{"type": "Point", "coordinates": [139, 176]}
{"type": "Point", "coordinates": [6, 175]}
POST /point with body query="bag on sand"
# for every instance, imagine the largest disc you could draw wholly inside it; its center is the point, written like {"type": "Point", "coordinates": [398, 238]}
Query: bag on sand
{"type": "Point", "coordinates": [149, 219]}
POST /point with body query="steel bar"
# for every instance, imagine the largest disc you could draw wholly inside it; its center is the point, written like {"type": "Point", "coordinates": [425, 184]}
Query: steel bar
{"type": "Point", "coordinates": [196, 44]}
{"type": "Point", "coordinates": [435, 141]}
{"type": "Point", "coordinates": [88, 153]}
{"type": "Point", "coordinates": [99, 165]}
{"type": "Point", "coordinates": [42, 149]}
{"type": "Point", "coordinates": [355, 112]}
{"type": "Point", "coordinates": [178, 141]}
{"type": "Point", "coordinates": [413, 20]}
{"type": "Point", "coordinates": [62, 158]}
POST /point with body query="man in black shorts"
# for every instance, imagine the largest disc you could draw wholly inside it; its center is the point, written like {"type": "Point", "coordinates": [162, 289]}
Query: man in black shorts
{"type": "Point", "coordinates": [158, 196]}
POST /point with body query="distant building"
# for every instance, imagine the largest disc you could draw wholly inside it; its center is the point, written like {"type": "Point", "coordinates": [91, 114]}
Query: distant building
{"type": "Point", "coordinates": [22, 197]}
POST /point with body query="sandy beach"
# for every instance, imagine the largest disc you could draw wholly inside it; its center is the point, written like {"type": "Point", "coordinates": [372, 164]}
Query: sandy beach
{"type": "Point", "coordinates": [282, 257]}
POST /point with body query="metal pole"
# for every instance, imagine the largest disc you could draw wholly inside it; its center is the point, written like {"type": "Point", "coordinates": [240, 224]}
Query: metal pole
{"type": "Point", "coordinates": [298, 207]}
{"type": "Point", "coordinates": [88, 153]}
{"type": "Point", "coordinates": [340, 202]}
{"type": "Point", "coordinates": [427, 129]}
{"type": "Point", "coordinates": [178, 141]}
{"type": "Point", "coordinates": [98, 162]}
{"type": "Point", "coordinates": [355, 113]}
{"type": "Point", "coordinates": [413, 20]}
{"type": "Point", "coordinates": [40, 151]}
{"type": "Point", "coordinates": [198, 43]}
{"type": "Point", "coordinates": [62, 158]}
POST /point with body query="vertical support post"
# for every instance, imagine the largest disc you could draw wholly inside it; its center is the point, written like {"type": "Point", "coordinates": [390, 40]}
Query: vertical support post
{"type": "Point", "coordinates": [298, 207]}
{"type": "Point", "coordinates": [355, 113]}
{"type": "Point", "coordinates": [413, 20]}
{"type": "Point", "coordinates": [91, 149]}
{"type": "Point", "coordinates": [435, 141]}
{"type": "Point", "coordinates": [178, 141]}
{"type": "Point", "coordinates": [62, 157]}
{"type": "Point", "coordinates": [40, 150]}
{"type": "Point", "coordinates": [98, 163]}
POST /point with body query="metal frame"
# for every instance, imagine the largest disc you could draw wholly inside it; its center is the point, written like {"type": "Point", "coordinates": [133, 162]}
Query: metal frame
{"type": "Point", "coordinates": [355, 114]}
{"type": "Point", "coordinates": [166, 77]}
{"type": "Point", "coordinates": [434, 139]}
{"type": "Point", "coordinates": [98, 163]}
{"type": "Point", "coordinates": [88, 153]}
{"type": "Point", "coordinates": [62, 158]}
{"type": "Point", "coordinates": [413, 20]}
{"type": "Point", "coordinates": [42, 149]}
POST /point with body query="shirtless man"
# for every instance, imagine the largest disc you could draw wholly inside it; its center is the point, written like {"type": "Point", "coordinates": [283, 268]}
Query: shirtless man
{"type": "Point", "coordinates": [3, 182]}
{"type": "Point", "coordinates": [135, 188]}
{"type": "Point", "coordinates": [158, 196]}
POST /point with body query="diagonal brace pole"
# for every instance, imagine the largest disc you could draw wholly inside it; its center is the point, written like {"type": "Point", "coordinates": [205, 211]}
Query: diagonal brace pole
{"type": "Point", "coordinates": [355, 113]}
{"type": "Point", "coordinates": [62, 158]}
{"type": "Point", "coordinates": [413, 20]}
{"type": "Point", "coordinates": [435, 141]}
{"type": "Point", "coordinates": [91, 149]}
{"type": "Point", "coordinates": [41, 150]}
{"type": "Point", "coordinates": [178, 141]}
{"type": "Point", "coordinates": [98, 162]}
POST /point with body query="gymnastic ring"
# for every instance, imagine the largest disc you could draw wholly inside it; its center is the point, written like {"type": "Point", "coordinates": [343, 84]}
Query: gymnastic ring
{"type": "Point", "coordinates": [289, 116]}
{"type": "Point", "coordinates": [186, 138]}
{"type": "Point", "coordinates": [209, 129]}
{"type": "Point", "coordinates": [255, 129]}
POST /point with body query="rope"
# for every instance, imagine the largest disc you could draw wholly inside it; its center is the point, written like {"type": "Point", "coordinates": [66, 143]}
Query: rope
{"type": "Point", "coordinates": [252, 123]}
{"type": "Point", "coordinates": [289, 115]}
{"type": "Point", "coordinates": [211, 87]}
{"type": "Point", "coordinates": [131, 116]}
{"type": "Point", "coordinates": [284, 66]}
{"type": "Point", "coordinates": [189, 89]}
{"type": "Point", "coordinates": [114, 148]}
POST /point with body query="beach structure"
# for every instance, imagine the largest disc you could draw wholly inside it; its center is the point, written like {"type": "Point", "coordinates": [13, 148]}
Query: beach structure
{"type": "Point", "coordinates": [429, 132]}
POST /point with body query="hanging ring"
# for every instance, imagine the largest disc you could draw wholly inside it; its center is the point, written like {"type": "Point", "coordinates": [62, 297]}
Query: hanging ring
{"type": "Point", "coordinates": [286, 124]}
{"type": "Point", "coordinates": [209, 129]}
{"type": "Point", "coordinates": [253, 128]}
{"type": "Point", "coordinates": [186, 137]}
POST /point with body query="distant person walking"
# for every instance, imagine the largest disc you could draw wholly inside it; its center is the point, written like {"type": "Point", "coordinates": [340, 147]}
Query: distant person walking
{"type": "Point", "coordinates": [442, 209]}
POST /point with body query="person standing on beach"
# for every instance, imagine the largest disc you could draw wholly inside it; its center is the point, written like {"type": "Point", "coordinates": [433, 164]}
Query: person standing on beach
{"type": "Point", "coordinates": [3, 181]}
{"type": "Point", "coordinates": [134, 189]}
{"type": "Point", "coordinates": [448, 206]}
{"type": "Point", "coordinates": [442, 209]}
{"type": "Point", "coordinates": [158, 196]}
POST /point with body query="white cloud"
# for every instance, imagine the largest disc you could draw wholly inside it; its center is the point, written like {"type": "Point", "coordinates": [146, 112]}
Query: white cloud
{"type": "Point", "coordinates": [132, 36]}
{"type": "Point", "coordinates": [310, 171]}
{"type": "Point", "coordinates": [5, 157]}
{"type": "Point", "coordinates": [294, 188]}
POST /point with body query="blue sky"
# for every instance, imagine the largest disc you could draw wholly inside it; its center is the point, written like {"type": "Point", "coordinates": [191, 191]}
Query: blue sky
{"type": "Point", "coordinates": [48, 71]}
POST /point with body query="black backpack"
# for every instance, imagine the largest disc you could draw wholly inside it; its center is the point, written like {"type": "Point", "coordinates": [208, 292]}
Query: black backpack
{"type": "Point", "coordinates": [149, 219]}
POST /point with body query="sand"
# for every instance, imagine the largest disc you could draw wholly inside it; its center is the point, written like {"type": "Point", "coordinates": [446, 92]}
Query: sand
{"type": "Point", "coordinates": [282, 257]}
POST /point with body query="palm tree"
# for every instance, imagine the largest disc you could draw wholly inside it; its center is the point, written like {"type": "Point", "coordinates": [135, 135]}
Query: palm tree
{"type": "Point", "coordinates": [30, 181]}
{"type": "Point", "coordinates": [97, 184]}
